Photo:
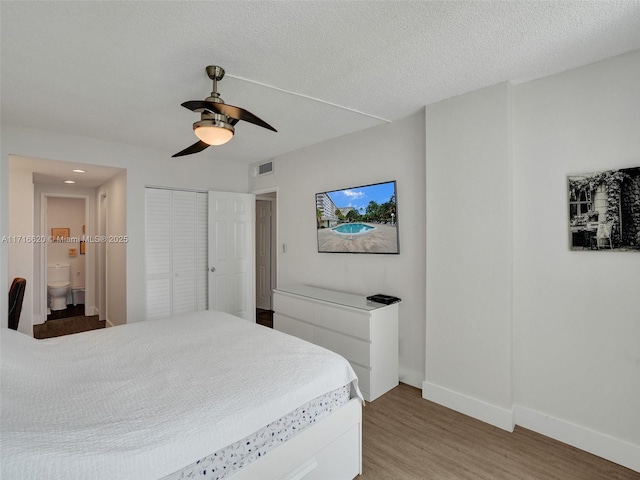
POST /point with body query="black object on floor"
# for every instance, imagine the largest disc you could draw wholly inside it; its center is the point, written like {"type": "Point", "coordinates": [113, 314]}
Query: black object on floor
{"type": "Point", "coordinates": [70, 311]}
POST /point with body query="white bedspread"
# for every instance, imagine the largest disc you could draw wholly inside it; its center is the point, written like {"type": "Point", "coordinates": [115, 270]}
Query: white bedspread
{"type": "Point", "coordinates": [143, 400]}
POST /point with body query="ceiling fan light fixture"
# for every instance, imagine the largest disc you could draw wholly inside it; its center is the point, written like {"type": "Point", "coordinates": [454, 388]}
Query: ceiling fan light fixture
{"type": "Point", "coordinates": [216, 117]}
{"type": "Point", "coordinates": [213, 132]}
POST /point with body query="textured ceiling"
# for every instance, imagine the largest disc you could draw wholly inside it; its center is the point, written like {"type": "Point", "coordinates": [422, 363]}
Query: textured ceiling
{"type": "Point", "coordinates": [120, 70]}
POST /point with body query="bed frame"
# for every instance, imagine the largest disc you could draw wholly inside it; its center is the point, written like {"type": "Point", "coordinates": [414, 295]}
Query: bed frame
{"type": "Point", "coordinates": [331, 448]}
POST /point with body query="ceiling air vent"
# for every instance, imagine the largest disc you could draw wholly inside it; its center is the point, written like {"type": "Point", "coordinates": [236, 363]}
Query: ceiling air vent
{"type": "Point", "coordinates": [265, 168]}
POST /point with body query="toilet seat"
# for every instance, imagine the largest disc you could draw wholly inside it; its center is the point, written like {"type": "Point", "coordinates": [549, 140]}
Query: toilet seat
{"type": "Point", "coordinates": [58, 284]}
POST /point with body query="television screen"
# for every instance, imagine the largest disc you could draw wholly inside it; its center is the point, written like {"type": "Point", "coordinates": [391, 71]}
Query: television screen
{"type": "Point", "coordinates": [358, 220]}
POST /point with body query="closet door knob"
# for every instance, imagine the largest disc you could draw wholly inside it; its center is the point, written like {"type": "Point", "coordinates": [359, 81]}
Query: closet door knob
{"type": "Point", "coordinates": [212, 269]}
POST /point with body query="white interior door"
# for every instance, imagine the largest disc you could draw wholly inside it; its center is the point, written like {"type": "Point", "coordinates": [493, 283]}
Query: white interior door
{"type": "Point", "coordinates": [231, 253]}
{"type": "Point", "coordinates": [263, 254]}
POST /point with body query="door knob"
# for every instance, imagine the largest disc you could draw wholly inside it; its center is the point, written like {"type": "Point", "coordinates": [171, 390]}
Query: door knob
{"type": "Point", "coordinates": [212, 269]}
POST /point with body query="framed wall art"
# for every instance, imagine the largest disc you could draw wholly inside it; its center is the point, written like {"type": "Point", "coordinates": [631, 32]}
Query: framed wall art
{"type": "Point", "coordinates": [604, 210]}
{"type": "Point", "coordinates": [60, 234]}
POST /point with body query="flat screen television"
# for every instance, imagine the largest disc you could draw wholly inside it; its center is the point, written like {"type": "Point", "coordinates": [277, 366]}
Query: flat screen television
{"type": "Point", "coordinates": [358, 219]}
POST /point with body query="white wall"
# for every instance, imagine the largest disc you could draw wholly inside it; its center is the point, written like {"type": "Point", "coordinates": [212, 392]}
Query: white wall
{"type": "Point", "coordinates": [66, 213]}
{"type": "Point", "coordinates": [504, 290]}
{"type": "Point", "coordinates": [576, 314]}
{"type": "Point", "coordinates": [144, 167]}
{"type": "Point", "coordinates": [389, 152]}
{"type": "Point", "coordinates": [20, 223]}
{"type": "Point", "coordinates": [469, 250]}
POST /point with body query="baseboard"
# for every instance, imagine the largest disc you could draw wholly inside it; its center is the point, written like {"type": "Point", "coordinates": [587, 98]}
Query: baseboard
{"type": "Point", "coordinates": [108, 323]}
{"type": "Point", "coordinates": [411, 377]}
{"type": "Point", "coordinates": [486, 412]}
{"type": "Point", "coordinates": [602, 445]}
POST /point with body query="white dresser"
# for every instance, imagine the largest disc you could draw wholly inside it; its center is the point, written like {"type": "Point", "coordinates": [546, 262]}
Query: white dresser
{"type": "Point", "coordinates": [364, 332]}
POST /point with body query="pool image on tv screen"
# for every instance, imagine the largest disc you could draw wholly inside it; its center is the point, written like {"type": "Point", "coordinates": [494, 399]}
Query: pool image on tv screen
{"type": "Point", "coordinates": [358, 220]}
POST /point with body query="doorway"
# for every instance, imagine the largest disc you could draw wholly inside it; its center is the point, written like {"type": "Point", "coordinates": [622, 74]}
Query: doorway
{"type": "Point", "coordinates": [103, 263]}
{"type": "Point", "coordinates": [266, 265]}
{"type": "Point", "coordinates": [31, 179]}
{"type": "Point", "coordinates": [65, 255]}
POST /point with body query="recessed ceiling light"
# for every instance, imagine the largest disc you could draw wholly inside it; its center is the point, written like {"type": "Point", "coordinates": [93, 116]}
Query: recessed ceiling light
{"type": "Point", "coordinates": [77, 170]}
{"type": "Point", "coordinates": [69, 181]}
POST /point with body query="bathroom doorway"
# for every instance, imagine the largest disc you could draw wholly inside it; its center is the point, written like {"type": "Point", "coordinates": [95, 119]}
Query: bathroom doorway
{"type": "Point", "coordinates": [67, 260]}
{"type": "Point", "coordinates": [30, 180]}
{"type": "Point", "coordinates": [266, 255]}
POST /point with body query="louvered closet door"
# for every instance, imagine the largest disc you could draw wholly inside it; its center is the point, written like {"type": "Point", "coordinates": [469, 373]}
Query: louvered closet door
{"type": "Point", "coordinates": [176, 252]}
{"type": "Point", "coordinates": [183, 234]}
{"type": "Point", "coordinates": [202, 247]}
{"type": "Point", "coordinates": [158, 252]}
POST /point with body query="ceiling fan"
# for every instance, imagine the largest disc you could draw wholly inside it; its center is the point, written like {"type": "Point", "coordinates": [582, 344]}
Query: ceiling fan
{"type": "Point", "coordinates": [217, 119]}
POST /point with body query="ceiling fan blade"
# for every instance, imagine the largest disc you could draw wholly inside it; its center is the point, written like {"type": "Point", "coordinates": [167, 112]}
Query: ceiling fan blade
{"type": "Point", "coordinates": [228, 110]}
{"type": "Point", "coordinates": [195, 148]}
{"type": "Point", "coordinates": [198, 105]}
{"type": "Point", "coordinates": [242, 114]}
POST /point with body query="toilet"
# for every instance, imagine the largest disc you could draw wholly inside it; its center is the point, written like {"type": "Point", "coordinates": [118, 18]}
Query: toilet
{"type": "Point", "coordinates": [58, 285]}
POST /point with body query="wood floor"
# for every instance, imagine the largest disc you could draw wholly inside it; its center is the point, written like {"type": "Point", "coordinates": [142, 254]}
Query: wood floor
{"type": "Point", "coordinates": [67, 326]}
{"type": "Point", "coordinates": [406, 437]}
{"type": "Point", "coordinates": [264, 317]}
{"type": "Point", "coordinates": [70, 311]}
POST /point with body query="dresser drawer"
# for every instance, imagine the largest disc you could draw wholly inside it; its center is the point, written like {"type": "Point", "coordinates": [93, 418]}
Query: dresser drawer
{"type": "Point", "coordinates": [325, 315]}
{"type": "Point", "coordinates": [354, 350]}
{"type": "Point", "coordinates": [343, 320]}
{"type": "Point", "coordinates": [294, 307]}
{"type": "Point", "coordinates": [302, 330]}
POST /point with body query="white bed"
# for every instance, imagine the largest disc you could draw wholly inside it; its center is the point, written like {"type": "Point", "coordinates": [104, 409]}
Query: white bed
{"type": "Point", "coordinates": [145, 400]}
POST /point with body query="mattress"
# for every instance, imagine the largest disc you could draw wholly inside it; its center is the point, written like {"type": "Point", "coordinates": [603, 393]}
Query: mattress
{"type": "Point", "coordinates": [144, 400]}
